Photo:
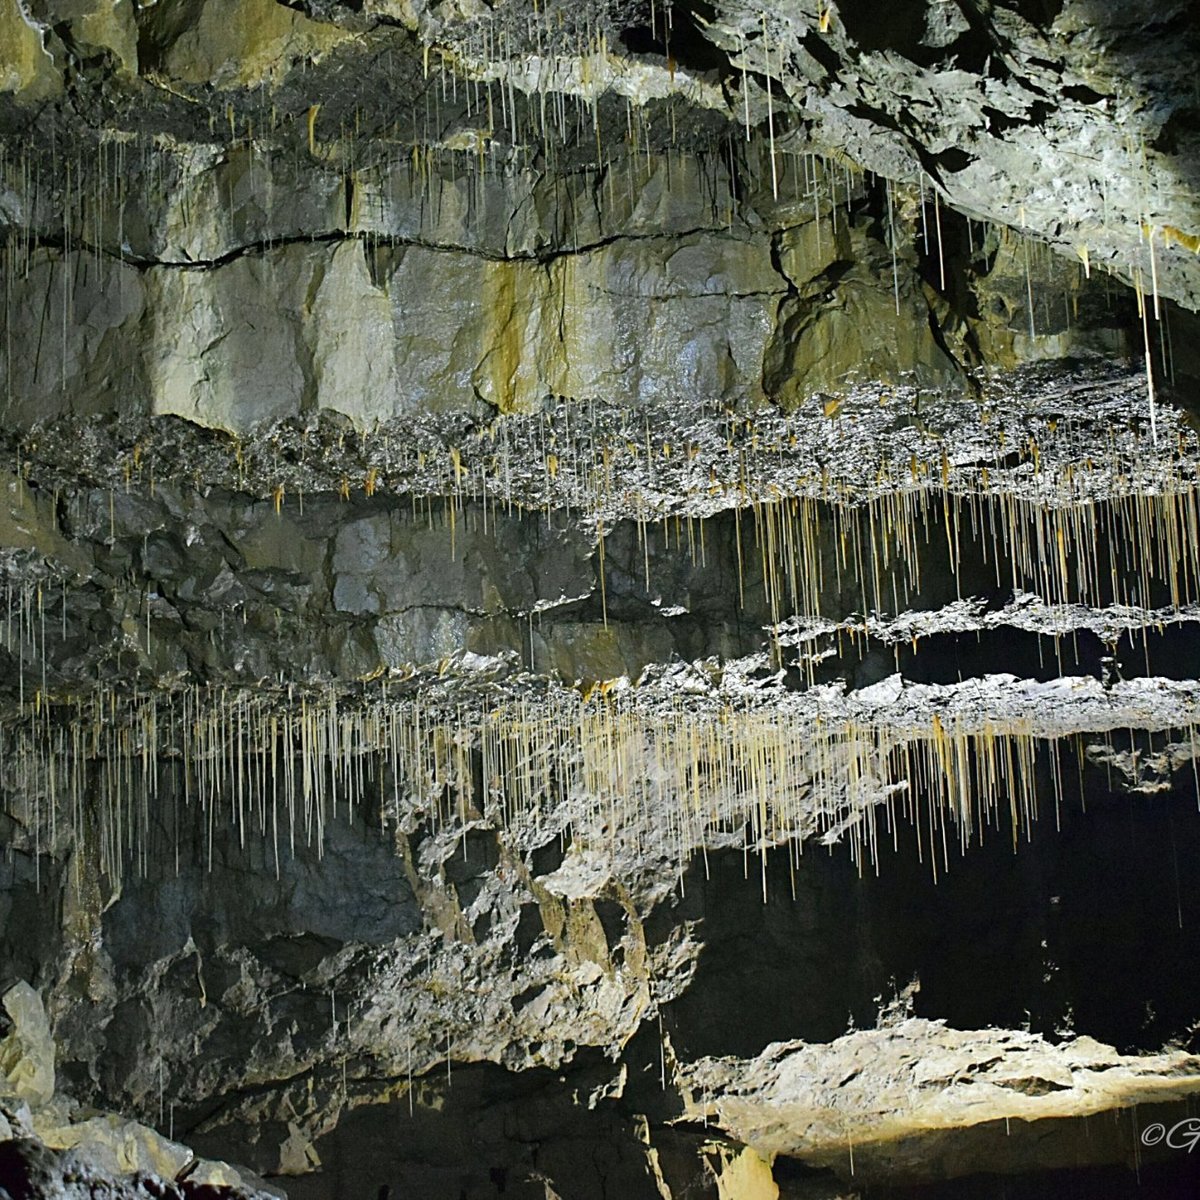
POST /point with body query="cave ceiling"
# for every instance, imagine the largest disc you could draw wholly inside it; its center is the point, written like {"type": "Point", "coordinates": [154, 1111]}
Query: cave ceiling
{"type": "Point", "coordinates": [1073, 123]}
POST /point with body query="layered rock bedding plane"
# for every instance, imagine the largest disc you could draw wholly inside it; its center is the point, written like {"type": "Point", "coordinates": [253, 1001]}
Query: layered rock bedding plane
{"type": "Point", "coordinates": [600, 598]}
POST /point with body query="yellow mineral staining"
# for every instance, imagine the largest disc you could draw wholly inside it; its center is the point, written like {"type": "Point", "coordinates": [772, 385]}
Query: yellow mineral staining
{"type": "Point", "coordinates": [1189, 241]}
{"type": "Point", "coordinates": [644, 771]}
{"type": "Point", "coordinates": [503, 305]}
{"type": "Point", "coordinates": [745, 1175]}
{"type": "Point", "coordinates": [25, 67]}
{"type": "Point", "coordinates": [313, 110]}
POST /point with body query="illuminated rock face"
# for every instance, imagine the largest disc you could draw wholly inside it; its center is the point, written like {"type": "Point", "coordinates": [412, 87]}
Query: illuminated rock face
{"type": "Point", "coordinates": [598, 599]}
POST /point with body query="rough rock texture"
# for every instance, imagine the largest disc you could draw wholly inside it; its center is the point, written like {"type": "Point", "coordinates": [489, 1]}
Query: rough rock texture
{"type": "Point", "coordinates": [576, 576]}
{"type": "Point", "coordinates": [49, 1146]}
{"type": "Point", "coordinates": [1066, 120]}
{"type": "Point", "coordinates": [376, 239]}
{"type": "Point", "coordinates": [852, 1097]}
{"type": "Point", "coordinates": [416, 923]}
{"type": "Point", "coordinates": [380, 318]}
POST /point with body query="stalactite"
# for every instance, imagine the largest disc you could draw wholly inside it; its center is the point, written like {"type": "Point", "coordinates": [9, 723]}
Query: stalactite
{"type": "Point", "coordinates": [635, 767]}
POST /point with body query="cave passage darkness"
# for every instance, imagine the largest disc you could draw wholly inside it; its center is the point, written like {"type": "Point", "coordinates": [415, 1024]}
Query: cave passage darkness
{"type": "Point", "coordinates": [1056, 934]}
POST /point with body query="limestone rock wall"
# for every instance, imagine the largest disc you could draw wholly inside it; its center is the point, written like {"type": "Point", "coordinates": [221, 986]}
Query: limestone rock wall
{"type": "Point", "coordinates": [50, 1146]}
{"type": "Point", "coordinates": [378, 319]}
{"type": "Point", "coordinates": [695, 295]}
{"type": "Point", "coordinates": [547, 548]}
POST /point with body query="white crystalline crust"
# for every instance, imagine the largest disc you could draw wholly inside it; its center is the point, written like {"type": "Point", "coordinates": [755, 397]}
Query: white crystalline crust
{"type": "Point", "coordinates": [1024, 611]}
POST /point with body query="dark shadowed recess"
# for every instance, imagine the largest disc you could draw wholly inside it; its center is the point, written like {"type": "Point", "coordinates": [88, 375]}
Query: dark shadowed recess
{"type": "Point", "coordinates": [676, 32]}
{"type": "Point", "coordinates": [1177, 1179]}
{"type": "Point", "coordinates": [229, 905]}
{"type": "Point", "coordinates": [900, 27]}
{"type": "Point", "coordinates": [886, 25]}
{"type": "Point", "coordinates": [491, 1134]}
{"type": "Point", "coordinates": [1091, 928]}
{"type": "Point", "coordinates": [1121, 1154]}
{"type": "Point", "coordinates": [948, 658]}
{"type": "Point", "coordinates": [30, 917]}
{"type": "Point", "coordinates": [485, 1133]}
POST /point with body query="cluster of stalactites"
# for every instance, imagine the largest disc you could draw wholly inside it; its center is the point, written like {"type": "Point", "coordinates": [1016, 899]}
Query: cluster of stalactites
{"type": "Point", "coordinates": [662, 773]}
